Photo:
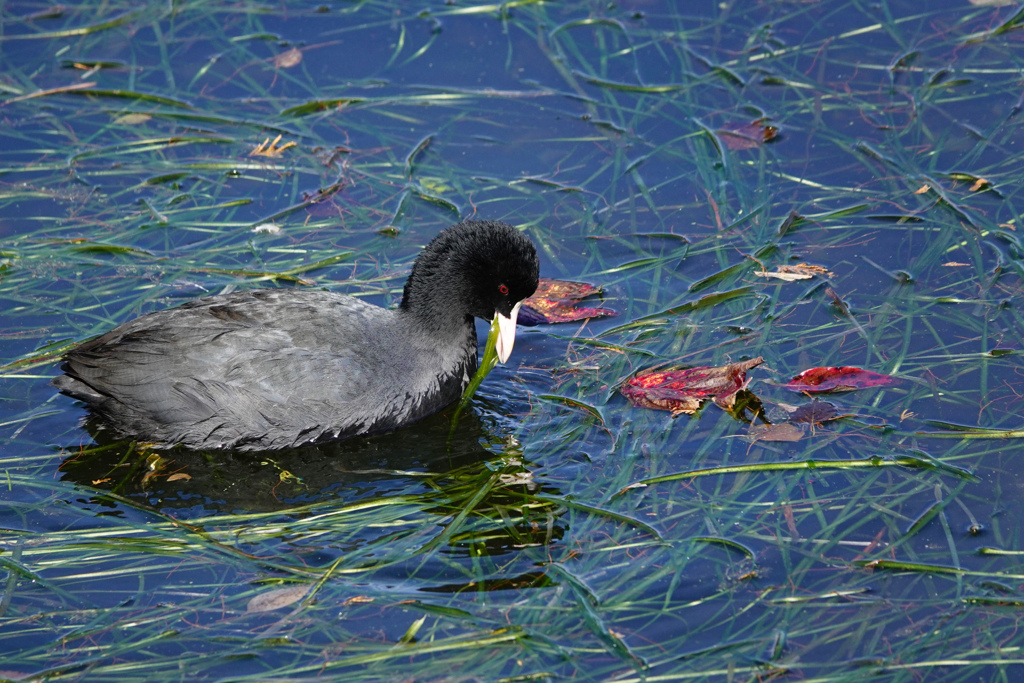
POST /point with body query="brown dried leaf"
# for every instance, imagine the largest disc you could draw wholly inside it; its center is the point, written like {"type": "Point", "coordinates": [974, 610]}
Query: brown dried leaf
{"type": "Point", "coordinates": [806, 269]}
{"type": "Point", "coordinates": [921, 190]}
{"type": "Point", "coordinates": [180, 476]}
{"type": "Point", "coordinates": [786, 277]}
{"type": "Point", "coordinates": [837, 302]}
{"type": "Point", "coordinates": [783, 431]}
{"type": "Point", "coordinates": [270, 149]}
{"type": "Point", "coordinates": [747, 135]}
{"type": "Point", "coordinates": [356, 599]}
{"type": "Point", "coordinates": [276, 599]}
{"type": "Point", "coordinates": [799, 271]}
{"type": "Point", "coordinates": [133, 119]}
{"type": "Point", "coordinates": [794, 530]}
{"type": "Point", "coordinates": [287, 60]}
{"type": "Point", "coordinates": [814, 412]}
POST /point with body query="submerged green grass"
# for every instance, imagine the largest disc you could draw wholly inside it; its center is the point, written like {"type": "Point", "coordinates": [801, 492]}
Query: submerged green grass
{"type": "Point", "coordinates": [555, 532]}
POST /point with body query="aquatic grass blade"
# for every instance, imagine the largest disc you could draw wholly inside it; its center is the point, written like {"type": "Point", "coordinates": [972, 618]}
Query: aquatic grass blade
{"type": "Point", "coordinates": [487, 363]}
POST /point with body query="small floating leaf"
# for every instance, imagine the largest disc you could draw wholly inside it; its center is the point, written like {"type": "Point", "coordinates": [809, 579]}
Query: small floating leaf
{"type": "Point", "coordinates": [684, 391]}
{"type": "Point", "coordinates": [815, 412]}
{"type": "Point", "coordinates": [747, 135]}
{"type": "Point", "coordinates": [835, 379]}
{"type": "Point", "coordinates": [555, 302]}
{"type": "Point", "coordinates": [783, 431]}
{"type": "Point", "coordinates": [133, 119]}
{"type": "Point", "coordinates": [800, 271]}
{"type": "Point", "coordinates": [287, 60]}
{"type": "Point", "coordinates": [276, 599]}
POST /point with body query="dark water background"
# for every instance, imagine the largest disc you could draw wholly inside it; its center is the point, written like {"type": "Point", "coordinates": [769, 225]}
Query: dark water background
{"type": "Point", "coordinates": [520, 547]}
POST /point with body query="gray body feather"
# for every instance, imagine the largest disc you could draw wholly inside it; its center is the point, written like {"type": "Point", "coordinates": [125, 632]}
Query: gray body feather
{"type": "Point", "coordinates": [247, 371]}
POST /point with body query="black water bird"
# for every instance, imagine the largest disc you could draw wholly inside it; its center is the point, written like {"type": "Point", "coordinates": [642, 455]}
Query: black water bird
{"type": "Point", "coordinates": [270, 369]}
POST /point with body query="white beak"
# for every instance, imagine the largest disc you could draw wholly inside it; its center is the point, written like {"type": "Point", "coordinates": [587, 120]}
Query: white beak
{"type": "Point", "coordinates": [506, 332]}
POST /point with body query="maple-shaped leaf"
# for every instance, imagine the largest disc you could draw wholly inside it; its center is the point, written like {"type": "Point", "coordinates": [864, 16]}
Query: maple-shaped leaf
{"type": "Point", "coordinates": [747, 135]}
{"type": "Point", "coordinates": [825, 380]}
{"type": "Point", "coordinates": [555, 302]}
{"type": "Point", "coordinates": [683, 391]}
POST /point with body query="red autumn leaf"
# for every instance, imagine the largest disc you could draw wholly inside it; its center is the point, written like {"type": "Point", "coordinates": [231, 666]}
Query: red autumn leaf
{"type": "Point", "coordinates": [555, 302]}
{"type": "Point", "coordinates": [747, 135]}
{"type": "Point", "coordinates": [683, 391]}
{"type": "Point", "coordinates": [824, 380]}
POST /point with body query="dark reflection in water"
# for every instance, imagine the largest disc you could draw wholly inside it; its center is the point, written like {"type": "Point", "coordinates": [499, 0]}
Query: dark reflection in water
{"type": "Point", "coordinates": [231, 482]}
{"type": "Point", "coordinates": [432, 467]}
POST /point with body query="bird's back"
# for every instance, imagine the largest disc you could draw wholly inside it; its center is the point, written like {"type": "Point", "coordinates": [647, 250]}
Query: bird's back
{"type": "Point", "coordinates": [267, 369]}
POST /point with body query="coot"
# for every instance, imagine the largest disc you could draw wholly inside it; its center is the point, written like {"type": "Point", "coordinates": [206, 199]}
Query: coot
{"type": "Point", "coordinates": [270, 369]}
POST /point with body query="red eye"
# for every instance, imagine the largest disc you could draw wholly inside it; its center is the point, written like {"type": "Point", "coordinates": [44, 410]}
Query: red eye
{"type": "Point", "coordinates": [503, 289]}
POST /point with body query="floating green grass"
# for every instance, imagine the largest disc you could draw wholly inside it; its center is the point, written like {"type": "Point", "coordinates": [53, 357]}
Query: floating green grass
{"type": "Point", "coordinates": [501, 550]}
